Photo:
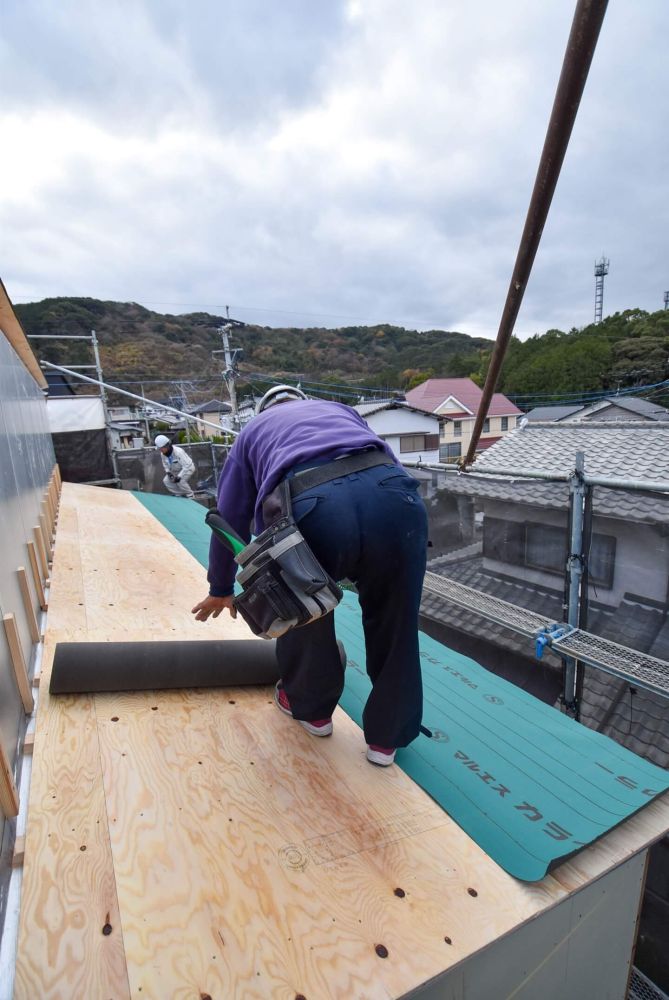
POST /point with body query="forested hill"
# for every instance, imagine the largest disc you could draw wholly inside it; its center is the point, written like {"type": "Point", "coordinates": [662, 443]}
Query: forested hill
{"type": "Point", "coordinates": [626, 349]}
{"type": "Point", "coordinates": [135, 342]}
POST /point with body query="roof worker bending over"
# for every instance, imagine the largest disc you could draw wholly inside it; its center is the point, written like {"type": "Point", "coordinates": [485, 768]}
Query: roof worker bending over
{"type": "Point", "coordinates": [178, 466]}
{"type": "Point", "coordinates": [369, 526]}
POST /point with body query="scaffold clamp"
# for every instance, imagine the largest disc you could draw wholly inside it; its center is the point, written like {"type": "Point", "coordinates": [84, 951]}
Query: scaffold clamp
{"type": "Point", "coordinates": [547, 635]}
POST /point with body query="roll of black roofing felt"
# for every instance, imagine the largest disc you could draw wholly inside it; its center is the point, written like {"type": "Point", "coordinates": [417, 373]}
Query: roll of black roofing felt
{"type": "Point", "coordinates": [82, 667]}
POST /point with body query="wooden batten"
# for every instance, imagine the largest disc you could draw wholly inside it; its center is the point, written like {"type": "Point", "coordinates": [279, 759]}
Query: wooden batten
{"type": "Point", "coordinates": [19, 852]}
{"type": "Point", "coordinates": [59, 480]}
{"type": "Point", "coordinates": [53, 493]}
{"type": "Point", "coordinates": [47, 506]}
{"type": "Point", "coordinates": [28, 604]}
{"type": "Point", "coordinates": [37, 576]}
{"type": "Point", "coordinates": [29, 743]}
{"type": "Point", "coordinates": [46, 536]}
{"type": "Point", "coordinates": [18, 662]}
{"type": "Point", "coordinates": [9, 797]}
{"type": "Point", "coordinates": [41, 551]}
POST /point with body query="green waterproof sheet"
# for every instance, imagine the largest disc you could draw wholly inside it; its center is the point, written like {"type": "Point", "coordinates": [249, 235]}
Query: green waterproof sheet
{"type": "Point", "coordinates": [528, 784]}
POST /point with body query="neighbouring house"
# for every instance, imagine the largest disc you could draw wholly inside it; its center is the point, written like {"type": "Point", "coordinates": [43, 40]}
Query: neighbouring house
{"type": "Point", "coordinates": [521, 554]}
{"type": "Point", "coordinates": [625, 408]}
{"type": "Point", "coordinates": [456, 402]}
{"type": "Point", "coordinates": [125, 436]}
{"type": "Point", "coordinates": [214, 412]}
{"type": "Point", "coordinates": [552, 414]}
{"type": "Point", "coordinates": [412, 433]}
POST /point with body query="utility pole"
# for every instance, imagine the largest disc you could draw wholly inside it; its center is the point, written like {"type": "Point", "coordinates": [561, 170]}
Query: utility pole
{"type": "Point", "coordinates": [146, 418]}
{"type": "Point", "coordinates": [105, 408]}
{"type": "Point", "coordinates": [230, 356]}
{"type": "Point", "coordinates": [184, 401]}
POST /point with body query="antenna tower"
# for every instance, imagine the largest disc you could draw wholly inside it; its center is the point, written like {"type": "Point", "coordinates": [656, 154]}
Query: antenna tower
{"type": "Point", "coordinates": [666, 300]}
{"type": "Point", "coordinates": [601, 269]}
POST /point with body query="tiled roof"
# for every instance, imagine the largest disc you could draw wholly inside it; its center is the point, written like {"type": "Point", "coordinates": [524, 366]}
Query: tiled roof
{"type": "Point", "coordinates": [365, 409]}
{"type": "Point", "coordinates": [638, 721]}
{"type": "Point", "coordinates": [487, 443]}
{"type": "Point", "coordinates": [431, 394]}
{"type": "Point", "coordinates": [634, 404]}
{"type": "Point", "coordinates": [631, 505]}
{"type": "Point", "coordinates": [212, 406]}
{"type": "Point", "coordinates": [552, 412]}
{"type": "Point", "coordinates": [636, 450]}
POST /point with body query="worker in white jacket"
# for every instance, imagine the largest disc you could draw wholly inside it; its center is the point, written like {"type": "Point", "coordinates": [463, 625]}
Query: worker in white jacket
{"type": "Point", "coordinates": [178, 466]}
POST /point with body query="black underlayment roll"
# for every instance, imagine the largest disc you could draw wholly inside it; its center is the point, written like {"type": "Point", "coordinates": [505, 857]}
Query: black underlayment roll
{"type": "Point", "coordinates": [83, 667]}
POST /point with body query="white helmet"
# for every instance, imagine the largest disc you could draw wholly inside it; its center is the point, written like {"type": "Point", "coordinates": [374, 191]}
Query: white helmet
{"type": "Point", "coordinates": [162, 441]}
{"type": "Point", "coordinates": [277, 394]}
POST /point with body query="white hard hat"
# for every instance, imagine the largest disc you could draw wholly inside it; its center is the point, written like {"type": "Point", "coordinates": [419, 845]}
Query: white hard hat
{"type": "Point", "coordinates": [162, 441]}
{"type": "Point", "coordinates": [277, 394]}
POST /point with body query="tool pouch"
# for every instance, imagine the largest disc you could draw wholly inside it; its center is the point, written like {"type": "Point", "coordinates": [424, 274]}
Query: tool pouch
{"type": "Point", "coordinates": [283, 584]}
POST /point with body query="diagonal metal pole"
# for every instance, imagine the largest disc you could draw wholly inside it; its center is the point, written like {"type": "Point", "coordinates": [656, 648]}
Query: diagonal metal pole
{"type": "Point", "coordinates": [583, 36]}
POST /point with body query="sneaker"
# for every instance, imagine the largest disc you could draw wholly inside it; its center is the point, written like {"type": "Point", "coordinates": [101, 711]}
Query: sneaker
{"type": "Point", "coordinates": [319, 727]}
{"type": "Point", "coordinates": [383, 756]}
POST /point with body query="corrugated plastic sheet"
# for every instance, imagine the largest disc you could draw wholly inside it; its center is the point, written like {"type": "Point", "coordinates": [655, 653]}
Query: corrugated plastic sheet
{"type": "Point", "coordinates": [529, 785]}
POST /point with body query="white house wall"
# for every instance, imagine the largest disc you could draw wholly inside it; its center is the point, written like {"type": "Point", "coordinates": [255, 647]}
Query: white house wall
{"type": "Point", "coordinates": [392, 424]}
{"type": "Point", "coordinates": [641, 561]}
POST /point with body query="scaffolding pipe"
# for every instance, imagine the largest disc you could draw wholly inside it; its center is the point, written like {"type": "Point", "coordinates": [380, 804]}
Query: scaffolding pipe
{"type": "Point", "coordinates": [577, 490]}
{"type": "Point", "coordinates": [650, 485]}
{"type": "Point", "coordinates": [133, 395]}
{"type": "Point", "coordinates": [585, 29]}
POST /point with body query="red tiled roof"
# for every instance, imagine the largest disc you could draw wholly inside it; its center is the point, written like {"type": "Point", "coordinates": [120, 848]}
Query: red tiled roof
{"type": "Point", "coordinates": [431, 394]}
{"type": "Point", "coordinates": [486, 442]}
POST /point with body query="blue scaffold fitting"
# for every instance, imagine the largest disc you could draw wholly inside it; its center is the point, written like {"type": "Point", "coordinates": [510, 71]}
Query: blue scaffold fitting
{"type": "Point", "coordinates": [548, 634]}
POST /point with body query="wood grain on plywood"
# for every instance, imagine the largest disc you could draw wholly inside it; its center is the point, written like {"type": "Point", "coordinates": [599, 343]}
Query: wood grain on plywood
{"type": "Point", "coordinates": [70, 941]}
{"type": "Point", "coordinates": [236, 854]}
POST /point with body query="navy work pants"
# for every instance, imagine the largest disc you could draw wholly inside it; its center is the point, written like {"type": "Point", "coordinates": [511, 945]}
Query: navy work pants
{"type": "Point", "coordinates": [369, 527]}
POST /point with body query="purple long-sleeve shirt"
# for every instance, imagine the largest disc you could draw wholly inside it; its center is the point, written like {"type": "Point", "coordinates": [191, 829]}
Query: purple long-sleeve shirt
{"type": "Point", "coordinates": [285, 435]}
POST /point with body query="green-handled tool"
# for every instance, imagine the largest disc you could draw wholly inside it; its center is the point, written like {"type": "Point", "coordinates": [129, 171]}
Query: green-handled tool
{"type": "Point", "coordinates": [225, 532]}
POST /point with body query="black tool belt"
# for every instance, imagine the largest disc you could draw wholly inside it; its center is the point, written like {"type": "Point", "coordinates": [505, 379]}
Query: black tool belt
{"type": "Point", "coordinates": [344, 466]}
{"type": "Point", "coordinates": [283, 584]}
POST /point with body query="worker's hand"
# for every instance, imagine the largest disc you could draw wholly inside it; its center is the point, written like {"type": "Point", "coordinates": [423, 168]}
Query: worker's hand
{"type": "Point", "coordinates": [213, 606]}
{"type": "Point", "coordinates": [170, 476]}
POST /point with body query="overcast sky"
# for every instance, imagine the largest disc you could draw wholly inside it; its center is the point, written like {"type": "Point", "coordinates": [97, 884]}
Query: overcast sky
{"type": "Point", "coordinates": [325, 162]}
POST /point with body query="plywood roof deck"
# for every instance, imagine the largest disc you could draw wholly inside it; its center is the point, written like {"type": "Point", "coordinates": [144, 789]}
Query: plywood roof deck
{"type": "Point", "coordinates": [197, 843]}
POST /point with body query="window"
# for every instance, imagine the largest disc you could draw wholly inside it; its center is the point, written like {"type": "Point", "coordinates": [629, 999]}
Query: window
{"type": "Point", "coordinates": [503, 540]}
{"type": "Point", "coordinates": [449, 452]}
{"type": "Point", "coordinates": [602, 559]}
{"type": "Point", "coordinates": [412, 442]}
{"type": "Point", "coordinates": [505, 423]}
{"type": "Point", "coordinates": [457, 428]}
{"type": "Point", "coordinates": [486, 425]}
{"type": "Point", "coordinates": [418, 442]}
{"type": "Point", "coordinates": [546, 547]}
